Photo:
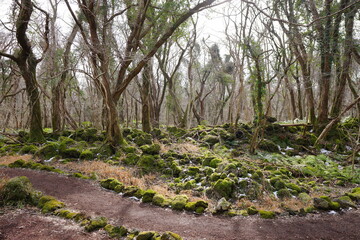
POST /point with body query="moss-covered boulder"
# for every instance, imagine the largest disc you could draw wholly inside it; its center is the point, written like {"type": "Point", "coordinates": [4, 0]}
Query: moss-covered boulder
{"type": "Point", "coordinates": [148, 196]}
{"type": "Point", "coordinates": [284, 194]}
{"type": "Point", "coordinates": [252, 210]}
{"type": "Point", "coordinates": [269, 146]}
{"type": "Point", "coordinates": [51, 206]}
{"type": "Point", "coordinates": [32, 149]}
{"type": "Point", "coordinates": [116, 231]}
{"type": "Point", "coordinates": [152, 149]}
{"type": "Point", "coordinates": [198, 206]}
{"type": "Point", "coordinates": [179, 202]}
{"type": "Point", "coordinates": [355, 194]}
{"type": "Point", "coordinates": [325, 203]}
{"type": "Point", "coordinates": [96, 224]}
{"type": "Point", "coordinates": [267, 214]}
{"type": "Point", "coordinates": [304, 197]}
{"type": "Point", "coordinates": [148, 235]}
{"type": "Point", "coordinates": [222, 205]}
{"type": "Point", "coordinates": [17, 190]}
{"type": "Point", "coordinates": [17, 164]}
{"type": "Point", "coordinates": [70, 153]}
{"type": "Point", "coordinates": [160, 200]}
{"type": "Point", "coordinates": [210, 140]}
{"type": "Point", "coordinates": [224, 187]}
{"type": "Point", "coordinates": [133, 191]}
{"type": "Point", "coordinates": [170, 236]}
{"type": "Point", "coordinates": [87, 154]}
{"type": "Point", "coordinates": [49, 150]}
{"type": "Point", "coordinates": [147, 163]}
{"type": "Point", "coordinates": [345, 202]}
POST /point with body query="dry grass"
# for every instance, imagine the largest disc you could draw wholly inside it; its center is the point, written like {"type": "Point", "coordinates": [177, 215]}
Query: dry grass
{"type": "Point", "coordinates": [270, 203]}
{"type": "Point", "coordinates": [128, 176]}
{"type": "Point", "coordinates": [186, 148]}
{"type": "Point", "coordinates": [5, 160]}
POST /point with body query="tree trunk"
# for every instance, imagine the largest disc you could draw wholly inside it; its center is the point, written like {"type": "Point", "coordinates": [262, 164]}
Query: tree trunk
{"type": "Point", "coordinates": [344, 73]}
{"type": "Point", "coordinates": [145, 98]}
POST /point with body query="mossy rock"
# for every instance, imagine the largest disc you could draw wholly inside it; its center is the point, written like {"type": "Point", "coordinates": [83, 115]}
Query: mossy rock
{"type": "Point", "coordinates": [147, 163]}
{"type": "Point", "coordinates": [198, 206]}
{"type": "Point", "coordinates": [70, 153]}
{"type": "Point", "coordinates": [179, 202]}
{"type": "Point", "coordinates": [214, 163]}
{"type": "Point", "coordinates": [147, 235]}
{"type": "Point", "coordinates": [170, 236]}
{"type": "Point", "coordinates": [143, 139]}
{"type": "Point", "coordinates": [277, 183]}
{"type": "Point", "coordinates": [222, 205]}
{"type": "Point", "coordinates": [51, 206]}
{"type": "Point", "coordinates": [294, 187]}
{"type": "Point", "coordinates": [48, 151]}
{"type": "Point", "coordinates": [28, 149]}
{"type": "Point", "coordinates": [269, 146]}
{"type": "Point", "coordinates": [267, 214]}
{"type": "Point", "coordinates": [224, 187]}
{"type": "Point", "coordinates": [192, 171]}
{"type": "Point", "coordinates": [133, 191]}
{"type": "Point", "coordinates": [210, 140]}
{"type": "Point", "coordinates": [96, 224]}
{"type": "Point", "coordinates": [322, 203]}
{"type": "Point", "coordinates": [131, 159]}
{"type": "Point", "coordinates": [176, 132]}
{"type": "Point", "coordinates": [128, 149]}
{"type": "Point", "coordinates": [152, 149]}
{"type": "Point", "coordinates": [105, 183]}
{"type": "Point", "coordinates": [345, 202]}
{"type": "Point", "coordinates": [284, 193]}
{"type": "Point", "coordinates": [61, 212]}
{"type": "Point", "coordinates": [159, 200]}
{"type": "Point", "coordinates": [17, 164]}
{"type": "Point", "coordinates": [252, 210]}
{"type": "Point", "coordinates": [304, 197]}
{"type": "Point", "coordinates": [355, 194]}
{"type": "Point", "coordinates": [17, 190]}
{"type": "Point", "coordinates": [80, 175]}
{"type": "Point", "coordinates": [45, 199]}
{"type": "Point", "coordinates": [87, 154]}
{"type": "Point", "coordinates": [148, 196]}
{"type": "Point", "coordinates": [115, 231]}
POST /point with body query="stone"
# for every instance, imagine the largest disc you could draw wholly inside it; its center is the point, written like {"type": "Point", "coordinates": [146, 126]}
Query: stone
{"type": "Point", "coordinates": [222, 205]}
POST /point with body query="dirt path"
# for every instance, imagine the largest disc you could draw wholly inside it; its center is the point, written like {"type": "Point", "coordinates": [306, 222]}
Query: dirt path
{"type": "Point", "coordinates": [87, 196]}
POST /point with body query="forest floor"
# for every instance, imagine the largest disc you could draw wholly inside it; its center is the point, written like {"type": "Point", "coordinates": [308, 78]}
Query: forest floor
{"type": "Point", "coordinates": [88, 197]}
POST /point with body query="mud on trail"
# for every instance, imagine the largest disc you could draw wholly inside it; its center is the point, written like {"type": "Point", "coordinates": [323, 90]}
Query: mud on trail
{"type": "Point", "coordinates": [87, 196]}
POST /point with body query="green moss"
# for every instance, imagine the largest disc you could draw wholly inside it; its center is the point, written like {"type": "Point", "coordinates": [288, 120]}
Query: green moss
{"type": "Point", "coordinates": [61, 212]}
{"type": "Point", "coordinates": [70, 153]}
{"type": "Point", "coordinates": [152, 149]}
{"type": "Point", "coordinates": [51, 206]}
{"type": "Point", "coordinates": [115, 232]}
{"type": "Point", "coordinates": [147, 163]}
{"type": "Point", "coordinates": [158, 200]}
{"type": "Point", "coordinates": [105, 183]}
{"type": "Point", "coordinates": [133, 191]}
{"type": "Point", "coordinates": [71, 215]}
{"type": "Point", "coordinates": [131, 159]}
{"type": "Point", "coordinates": [145, 235]}
{"type": "Point", "coordinates": [96, 224]}
{"type": "Point", "coordinates": [284, 193]}
{"type": "Point", "coordinates": [17, 164]}
{"type": "Point", "coordinates": [49, 150]}
{"type": "Point", "coordinates": [210, 139]}
{"type": "Point", "coordinates": [45, 199]}
{"type": "Point", "coordinates": [252, 210]}
{"type": "Point", "coordinates": [148, 196]}
{"type": "Point", "coordinates": [28, 149]}
{"type": "Point", "coordinates": [170, 236]}
{"type": "Point", "coordinates": [269, 146]}
{"type": "Point", "coordinates": [266, 214]}
{"type": "Point", "coordinates": [214, 163]}
{"type": "Point", "coordinates": [304, 197]}
{"type": "Point", "coordinates": [294, 187]}
{"type": "Point", "coordinates": [179, 202]}
{"type": "Point", "coordinates": [80, 175]}
{"type": "Point", "coordinates": [192, 171]}
{"type": "Point", "coordinates": [87, 154]}
{"type": "Point", "coordinates": [129, 149]}
{"type": "Point", "coordinates": [17, 190]}
{"type": "Point", "coordinates": [224, 187]}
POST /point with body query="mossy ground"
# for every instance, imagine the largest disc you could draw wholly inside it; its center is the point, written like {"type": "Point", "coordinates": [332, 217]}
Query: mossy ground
{"type": "Point", "coordinates": [208, 163]}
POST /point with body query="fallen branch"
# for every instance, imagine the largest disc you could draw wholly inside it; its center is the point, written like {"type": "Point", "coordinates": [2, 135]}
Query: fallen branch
{"type": "Point", "coordinates": [335, 121]}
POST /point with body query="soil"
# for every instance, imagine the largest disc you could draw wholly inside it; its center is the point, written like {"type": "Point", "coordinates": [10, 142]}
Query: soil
{"type": "Point", "coordinates": [87, 196]}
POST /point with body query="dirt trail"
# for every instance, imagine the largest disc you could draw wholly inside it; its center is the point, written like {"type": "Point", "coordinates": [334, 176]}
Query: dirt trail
{"type": "Point", "coordinates": [89, 197]}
